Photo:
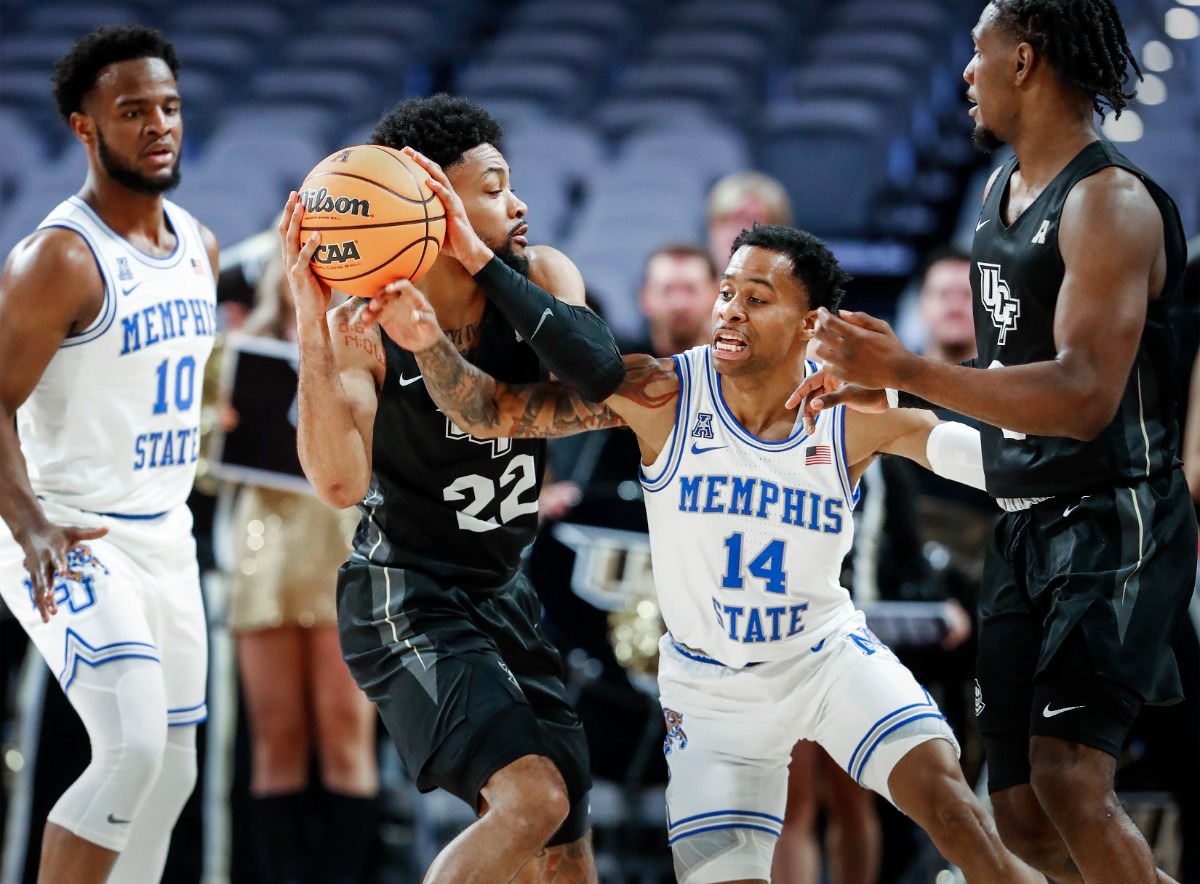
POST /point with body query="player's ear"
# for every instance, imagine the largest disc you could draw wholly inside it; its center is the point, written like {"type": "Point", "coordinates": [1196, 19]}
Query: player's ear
{"type": "Point", "coordinates": [82, 127]}
{"type": "Point", "coordinates": [1024, 59]}
{"type": "Point", "coordinates": [808, 324]}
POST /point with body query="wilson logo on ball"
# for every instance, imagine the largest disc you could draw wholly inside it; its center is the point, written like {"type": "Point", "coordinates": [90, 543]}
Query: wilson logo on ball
{"type": "Point", "coordinates": [337, 254]}
{"type": "Point", "coordinates": [321, 201]}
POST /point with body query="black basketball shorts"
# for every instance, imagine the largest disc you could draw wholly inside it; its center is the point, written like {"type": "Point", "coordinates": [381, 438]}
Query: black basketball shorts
{"type": "Point", "coordinates": [465, 683]}
{"type": "Point", "coordinates": [1079, 600]}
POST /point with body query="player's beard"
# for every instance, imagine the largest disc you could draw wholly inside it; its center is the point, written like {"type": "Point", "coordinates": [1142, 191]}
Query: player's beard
{"type": "Point", "coordinates": [985, 140]}
{"type": "Point", "coordinates": [505, 253]}
{"type": "Point", "coordinates": [132, 179]}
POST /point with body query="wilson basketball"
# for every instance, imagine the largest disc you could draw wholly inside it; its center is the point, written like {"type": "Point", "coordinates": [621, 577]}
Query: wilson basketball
{"type": "Point", "coordinates": [378, 219]}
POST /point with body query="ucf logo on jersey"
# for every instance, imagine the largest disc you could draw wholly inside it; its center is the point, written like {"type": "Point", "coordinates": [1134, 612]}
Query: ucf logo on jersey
{"type": "Point", "coordinates": [1004, 307]}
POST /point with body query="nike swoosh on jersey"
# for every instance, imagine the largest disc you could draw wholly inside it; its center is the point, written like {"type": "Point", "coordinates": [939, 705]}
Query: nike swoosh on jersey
{"type": "Point", "coordinates": [545, 313]}
{"type": "Point", "coordinates": [126, 291]}
{"type": "Point", "coordinates": [696, 449]}
{"type": "Point", "coordinates": [404, 382]}
{"type": "Point", "coordinates": [1050, 713]}
{"type": "Point", "coordinates": [116, 822]}
{"type": "Point", "coordinates": [1075, 506]}
{"type": "Point", "coordinates": [980, 225]}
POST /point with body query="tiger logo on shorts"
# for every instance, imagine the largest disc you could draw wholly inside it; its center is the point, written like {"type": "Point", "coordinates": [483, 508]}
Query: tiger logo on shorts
{"type": "Point", "coordinates": [73, 587]}
{"type": "Point", "coordinates": [674, 721]}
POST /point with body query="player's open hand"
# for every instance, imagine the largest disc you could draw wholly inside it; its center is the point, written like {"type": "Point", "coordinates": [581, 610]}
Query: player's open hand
{"type": "Point", "coordinates": [858, 349]}
{"type": "Point", "coordinates": [462, 242]}
{"type": "Point", "coordinates": [403, 312]}
{"type": "Point", "coordinates": [46, 556]}
{"type": "Point", "coordinates": [310, 294]}
{"type": "Point", "coordinates": [823, 389]}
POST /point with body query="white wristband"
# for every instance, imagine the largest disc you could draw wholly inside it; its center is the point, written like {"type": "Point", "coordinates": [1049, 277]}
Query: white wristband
{"type": "Point", "coordinates": [893, 397]}
{"type": "Point", "coordinates": [955, 452]}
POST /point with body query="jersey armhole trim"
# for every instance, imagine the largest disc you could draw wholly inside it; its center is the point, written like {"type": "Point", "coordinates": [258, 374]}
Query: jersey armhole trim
{"type": "Point", "coordinates": [676, 442]}
{"type": "Point", "coordinates": [108, 310]}
{"type": "Point", "coordinates": [843, 465]}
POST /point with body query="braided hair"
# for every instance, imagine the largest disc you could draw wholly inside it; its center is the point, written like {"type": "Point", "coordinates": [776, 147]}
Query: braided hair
{"type": "Point", "coordinates": [1083, 40]}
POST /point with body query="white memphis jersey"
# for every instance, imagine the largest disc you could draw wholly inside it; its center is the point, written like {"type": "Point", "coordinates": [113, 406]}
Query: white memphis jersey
{"type": "Point", "coordinates": [113, 425]}
{"type": "Point", "coordinates": [747, 537]}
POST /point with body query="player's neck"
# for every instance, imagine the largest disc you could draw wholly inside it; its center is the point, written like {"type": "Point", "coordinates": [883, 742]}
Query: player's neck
{"type": "Point", "coordinates": [757, 401]}
{"type": "Point", "coordinates": [453, 293]}
{"type": "Point", "coordinates": [137, 217]}
{"type": "Point", "coordinates": [1051, 136]}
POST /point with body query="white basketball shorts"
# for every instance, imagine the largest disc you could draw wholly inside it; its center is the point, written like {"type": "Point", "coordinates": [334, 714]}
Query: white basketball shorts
{"type": "Point", "coordinates": [135, 592]}
{"type": "Point", "coordinates": [730, 734]}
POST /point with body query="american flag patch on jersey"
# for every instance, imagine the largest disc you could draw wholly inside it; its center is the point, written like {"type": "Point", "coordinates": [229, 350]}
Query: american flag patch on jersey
{"type": "Point", "coordinates": [197, 268]}
{"type": "Point", "coordinates": [818, 454]}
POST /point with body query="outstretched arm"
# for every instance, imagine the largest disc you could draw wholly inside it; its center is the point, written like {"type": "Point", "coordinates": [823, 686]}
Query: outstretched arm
{"type": "Point", "coordinates": [1111, 239]}
{"type": "Point", "coordinates": [948, 448]}
{"type": "Point", "coordinates": [487, 408]}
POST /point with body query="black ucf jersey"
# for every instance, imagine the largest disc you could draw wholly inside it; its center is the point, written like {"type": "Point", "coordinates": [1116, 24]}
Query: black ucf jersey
{"type": "Point", "coordinates": [1016, 278]}
{"type": "Point", "coordinates": [441, 502]}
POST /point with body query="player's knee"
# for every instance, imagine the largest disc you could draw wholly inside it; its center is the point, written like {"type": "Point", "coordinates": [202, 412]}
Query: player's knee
{"type": "Point", "coordinates": [1064, 785]}
{"type": "Point", "coordinates": [531, 794]}
{"type": "Point", "coordinates": [545, 808]}
{"type": "Point", "coordinates": [139, 757]}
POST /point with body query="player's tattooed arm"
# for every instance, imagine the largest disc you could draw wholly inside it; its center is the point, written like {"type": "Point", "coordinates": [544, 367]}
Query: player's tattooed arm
{"type": "Point", "coordinates": [484, 407]}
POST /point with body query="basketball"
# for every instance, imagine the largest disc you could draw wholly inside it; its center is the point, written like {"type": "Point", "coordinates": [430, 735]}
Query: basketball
{"type": "Point", "coordinates": [378, 219]}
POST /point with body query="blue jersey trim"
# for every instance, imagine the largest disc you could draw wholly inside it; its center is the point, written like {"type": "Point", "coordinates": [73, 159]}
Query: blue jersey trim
{"type": "Point", "coordinates": [130, 516]}
{"type": "Point", "coordinates": [200, 720]}
{"type": "Point", "coordinates": [843, 463]}
{"type": "Point", "coordinates": [73, 655]}
{"type": "Point", "coordinates": [199, 705]}
{"type": "Point", "coordinates": [870, 732]}
{"type": "Point", "coordinates": [702, 816]}
{"type": "Point", "coordinates": [108, 311]}
{"type": "Point", "coordinates": [875, 745]}
{"type": "Point", "coordinates": [683, 408]}
{"type": "Point", "coordinates": [683, 835]}
{"type": "Point", "coordinates": [700, 658]}
{"type": "Point", "coordinates": [164, 263]}
{"type": "Point", "coordinates": [731, 423]}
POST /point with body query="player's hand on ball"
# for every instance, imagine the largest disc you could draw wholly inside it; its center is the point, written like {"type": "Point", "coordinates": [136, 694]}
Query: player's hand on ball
{"type": "Point", "coordinates": [403, 312]}
{"type": "Point", "coordinates": [462, 242]}
{"type": "Point", "coordinates": [46, 556]}
{"type": "Point", "coordinates": [309, 293]}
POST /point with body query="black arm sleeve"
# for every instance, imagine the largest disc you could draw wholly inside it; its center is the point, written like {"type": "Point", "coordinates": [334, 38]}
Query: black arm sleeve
{"type": "Point", "coordinates": [572, 342]}
{"type": "Point", "coordinates": [908, 400]}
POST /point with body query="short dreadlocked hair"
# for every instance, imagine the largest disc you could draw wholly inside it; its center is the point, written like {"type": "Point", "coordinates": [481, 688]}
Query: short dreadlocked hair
{"type": "Point", "coordinates": [813, 264]}
{"type": "Point", "coordinates": [442, 127]}
{"type": "Point", "coordinates": [75, 75]}
{"type": "Point", "coordinates": [1083, 40]}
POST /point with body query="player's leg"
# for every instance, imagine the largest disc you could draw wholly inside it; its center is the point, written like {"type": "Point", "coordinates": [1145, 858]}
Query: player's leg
{"type": "Point", "coordinates": [512, 620]}
{"type": "Point", "coordinates": [798, 853]}
{"type": "Point", "coordinates": [455, 715]}
{"type": "Point", "coordinates": [174, 606]}
{"type": "Point", "coordinates": [345, 726]}
{"type": "Point", "coordinates": [1115, 571]}
{"type": "Point", "coordinates": [100, 648]}
{"type": "Point", "coordinates": [728, 744]}
{"type": "Point", "coordinates": [889, 735]}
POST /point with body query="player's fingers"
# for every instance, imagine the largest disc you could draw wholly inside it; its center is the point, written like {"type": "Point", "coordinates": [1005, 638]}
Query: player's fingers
{"type": "Point", "coordinates": [829, 326]}
{"type": "Point", "coordinates": [287, 214]}
{"type": "Point", "coordinates": [74, 535]}
{"type": "Point", "coordinates": [814, 381]}
{"type": "Point", "coordinates": [311, 243]}
{"type": "Point", "coordinates": [865, 320]}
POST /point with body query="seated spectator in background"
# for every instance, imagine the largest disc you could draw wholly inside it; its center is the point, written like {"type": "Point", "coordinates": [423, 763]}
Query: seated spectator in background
{"type": "Point", "coordinates": [736, 202]}
{"type": "Point", "coordinates": [299, 697]}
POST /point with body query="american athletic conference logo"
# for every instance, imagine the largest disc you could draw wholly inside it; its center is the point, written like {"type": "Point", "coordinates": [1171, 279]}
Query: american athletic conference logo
{"type": "Point", "coordinates": [995, 294]}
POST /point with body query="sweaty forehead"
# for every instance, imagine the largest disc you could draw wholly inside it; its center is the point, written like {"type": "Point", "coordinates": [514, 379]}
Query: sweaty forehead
{"type": "Point", "coordinates": [134, 78]}
{"type": "Point", "coordinates": [478, 161]}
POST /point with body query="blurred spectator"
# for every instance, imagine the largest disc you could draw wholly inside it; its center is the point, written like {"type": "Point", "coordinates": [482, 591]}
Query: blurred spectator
{"type": "Point", "coordinates": [299, 697]}
{"type": "Point", "coordinates": [946, 304]}
{"type": "Point", "coordinates": [736, 202]}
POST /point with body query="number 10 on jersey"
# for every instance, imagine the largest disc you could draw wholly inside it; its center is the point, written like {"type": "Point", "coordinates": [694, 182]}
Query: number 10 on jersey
{"type": "Point", "coordinates": [183, 390]}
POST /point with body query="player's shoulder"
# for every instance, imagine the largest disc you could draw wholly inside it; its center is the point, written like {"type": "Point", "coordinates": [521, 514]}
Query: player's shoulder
{"type": "Point", "coordinates": [556, 273]}
{"type": "Point", "coordinates": [1111, 200]}
{"type": "Point", "coordinates": [55, 257]}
